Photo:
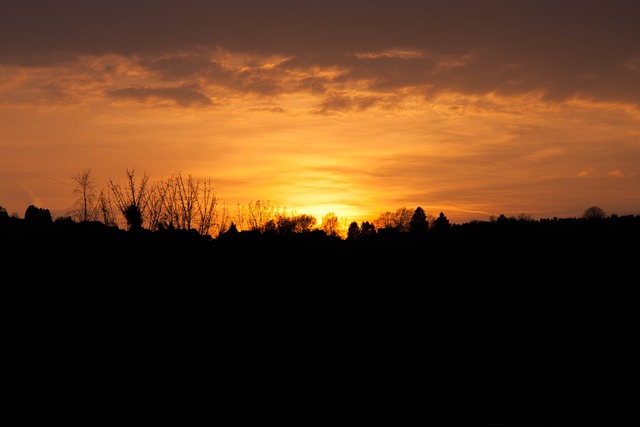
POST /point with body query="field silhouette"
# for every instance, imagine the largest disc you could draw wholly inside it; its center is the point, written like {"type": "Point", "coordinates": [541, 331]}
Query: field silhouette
{"type": "Point", "coordinates": [486, 323]}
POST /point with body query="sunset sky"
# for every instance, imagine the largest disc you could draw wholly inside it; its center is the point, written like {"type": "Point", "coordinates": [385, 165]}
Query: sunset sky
{"type": "Point", "coordinates": [471, 108]}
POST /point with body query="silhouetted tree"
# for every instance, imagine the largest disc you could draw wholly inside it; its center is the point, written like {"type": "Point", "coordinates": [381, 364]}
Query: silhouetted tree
{"type": "Point", "coordinates": [259, 213]}
{"type": "Point", "coordinates": [441, 223]}
{"type": "Point", "coordinates": [399, 220]}
{"type": "Point", "coordinates": [330, 224]}
{"type": "Point", "coordinates": [594, 213]}
{"type": "Point", "coordinates": [418, 222]}
{"type": "Point", "coordinates": [286, 223]}
{"type": "Point", "coordinates": [37, 216]}
{"type": "Point", "coordinates": [207, 207]}
{"type": "Point", "coordinates": [386, 220]}
{"type": "Point", "coordinates": [402, 219]}
{"type": "Point", "coordinates": [222, 220]}
{"type": "Point", "coordinates": [305, 223]}
{"type": "Point", "coordinates": [353, 232]}
{"type": "Point", "coordinates": [105, 211]}
{"type": "Point", "coordinates": [292, 223]}
{"type": "Point", "coordinates": [240, 215]}
{"type": "Point", "coordinates": [367, 229]}
{"type": "Point", "coordinates": [232, 229]}
{"type": "Point", "coordinates": [185, 204]}
{"type": "Point", "coordinates": [173, 203]}
{"type": "Point", "coordinates": [523, 217]}
{"type": "Point", "coordinates": [85, 206]}
{"type": "Point", "coordinates": [133, 216]}
{"type": "Point", "coordinates": [187, 200]}
{"type": "Point", "coordinates": [502, 219]}
{"type": "Point", "coordinates": [160, 211]}
{"type": "Point", "coordinates": [132, 200]}
{"type": "Point", "coordinates": [229, 234]}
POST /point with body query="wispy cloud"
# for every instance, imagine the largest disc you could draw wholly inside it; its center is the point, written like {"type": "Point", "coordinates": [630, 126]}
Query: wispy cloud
{"type": "Point", "coordinates": [182, 96]}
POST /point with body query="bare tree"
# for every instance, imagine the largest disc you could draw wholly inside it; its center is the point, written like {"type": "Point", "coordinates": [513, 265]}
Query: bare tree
{"type": "Point", "coordinates": [131, 200]}
{"type": "Point", "coordinates": [330, 224]}
{"type": "Point", "coordinates": [224, 221]}
{"type": "Point", "coordinates": [385, 220]}
{"type": "Point", "coordinates": [85, 206]}
{"type": "Point", "coordinates": [106, 213]}
{"type": "Point", "coordinates": [156, 207]}
{"type": "Point", "coordinates": [187, 200]}
{"type": "Point", "coordinates": [240, 215]}
{"type": "Point", "coordinates": [170, 207]}
{"type": "Point", "coordinates": [185, 204]}
{"type": "Point", "coordinates": [260, 213]}
{"type": "Point", "coordinates": [207, 204]}
{"type": "Point", "coordinates": [402, 219]}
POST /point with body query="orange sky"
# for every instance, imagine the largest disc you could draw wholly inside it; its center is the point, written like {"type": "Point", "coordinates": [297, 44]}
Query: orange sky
{"type": "Point", "coordinates": [352, 107]}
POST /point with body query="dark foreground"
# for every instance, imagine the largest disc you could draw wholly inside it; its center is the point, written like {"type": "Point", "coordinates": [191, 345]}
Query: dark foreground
{"type": "Point", "coordinates": [467, 331]}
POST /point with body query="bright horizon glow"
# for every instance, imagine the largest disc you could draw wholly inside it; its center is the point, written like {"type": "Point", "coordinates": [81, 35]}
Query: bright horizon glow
{"type": "Point", "coordinates": [473, 127]}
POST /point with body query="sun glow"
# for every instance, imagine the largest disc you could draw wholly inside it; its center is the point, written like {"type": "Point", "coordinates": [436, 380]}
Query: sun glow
{"type": "Point", "coordinates": [353, 126]}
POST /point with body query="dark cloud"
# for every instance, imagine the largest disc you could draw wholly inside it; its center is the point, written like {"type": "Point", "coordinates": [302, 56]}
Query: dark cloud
{"type": "Point", "coordinates": [341, 102]}
{"type": "Point", "coordinates": [181, 96]}
{"type": "Point", "coordinates": [184, 67]}
{"type": "Point", "coordinates": [562, 48]}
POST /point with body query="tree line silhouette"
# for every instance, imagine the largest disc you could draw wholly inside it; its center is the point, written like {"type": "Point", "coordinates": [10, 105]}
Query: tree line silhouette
{"type": "Point", "coordinates": [187, 210]}
{"type": "Point", "coordinates": [181, 220]}
{"type": "Point", "coordinates": [504, 307]}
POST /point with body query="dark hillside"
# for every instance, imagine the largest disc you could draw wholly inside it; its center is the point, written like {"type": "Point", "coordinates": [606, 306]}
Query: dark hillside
{"type": "Point", "coordinates": [489, 322]}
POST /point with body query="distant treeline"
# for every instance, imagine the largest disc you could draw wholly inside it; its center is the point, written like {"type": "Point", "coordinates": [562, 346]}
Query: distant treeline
{"type": "Point", "coordinates": [593, 235]}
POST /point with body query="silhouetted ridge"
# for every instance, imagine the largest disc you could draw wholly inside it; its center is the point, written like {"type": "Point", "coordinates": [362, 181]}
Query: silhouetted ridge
{"type": "Point", "coordinates": [503, 321]}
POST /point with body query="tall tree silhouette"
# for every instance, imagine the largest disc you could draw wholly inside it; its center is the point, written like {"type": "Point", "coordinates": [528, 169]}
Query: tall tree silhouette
{"type": "Point", "coordinates": [353, 232]}
{"type": "Point", "coordinates": [442, 222]}
{"type": "Point", "coordinates": [85, 207]}
{"type": "Point", "coordinates": [131, 200]}
{"type": "Point", "coordinates": [418, 223]}
{"type": "Point", "coordinates": [105, 211]}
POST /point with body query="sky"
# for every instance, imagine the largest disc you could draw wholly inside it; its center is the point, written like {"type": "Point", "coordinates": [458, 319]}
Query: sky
{"type": "Point", "coordinates": [472, 108]}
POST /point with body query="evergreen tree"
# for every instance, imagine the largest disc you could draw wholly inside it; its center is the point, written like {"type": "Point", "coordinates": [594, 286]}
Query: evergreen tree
{"type": "Point", "coordinates": [353, 232]}
{"type": "Point", "coordinates": [419, 223]}
{"type": "Point", "coordinates": [442, 222]}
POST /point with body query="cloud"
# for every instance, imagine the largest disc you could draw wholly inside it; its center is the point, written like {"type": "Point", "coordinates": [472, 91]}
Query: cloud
{"type": "Point", "coordinates": [573, 48]}
{"type": "Point", "coordinates": [345, 102]}
{"type": "Point", "coordinates": [185, 66]}
{"type": "Point", "coordinates": [181, 96]}
{"type": "Point", "coordinates": [392, 53]}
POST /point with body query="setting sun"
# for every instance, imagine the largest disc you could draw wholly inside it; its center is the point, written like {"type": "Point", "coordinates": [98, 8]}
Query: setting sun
{"type": "Point", "coordinates": [503, 112]}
